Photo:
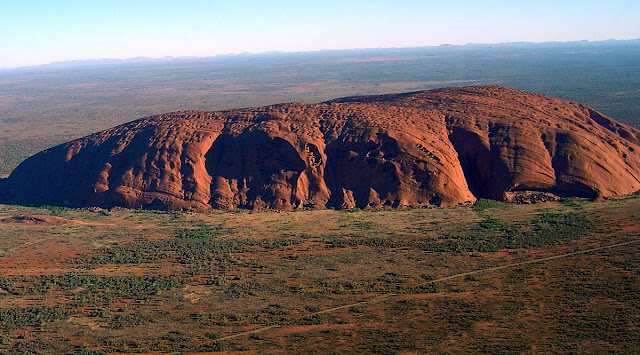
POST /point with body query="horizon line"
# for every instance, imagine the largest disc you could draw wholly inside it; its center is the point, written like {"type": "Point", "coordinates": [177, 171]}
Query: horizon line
{"type": "Point", "coordinates": [116, 60]}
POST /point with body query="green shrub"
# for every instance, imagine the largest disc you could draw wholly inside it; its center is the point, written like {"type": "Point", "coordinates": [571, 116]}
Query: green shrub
{"type": "Point", "coordinates": [120, 321]}
{"type": "Point", "coordinates": [313, 319]}
{"type": "Point", "coordinates": [432, 287]}
{"type": "Point", "coordinates": [30, 316]}
{"type": "Point", "coordinates": [127, 286]}
{"type": "Point", "coordinates": [483, 203]}
{"type": "Point", "coordinates": [257, 336]}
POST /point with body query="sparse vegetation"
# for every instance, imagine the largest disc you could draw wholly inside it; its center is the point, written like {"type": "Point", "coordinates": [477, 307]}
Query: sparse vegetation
{"type": "Point", "coordinates": [483, 203]}
{"type": "Point", "coordinates": [128, 286]}
{"type": "Point", "coordinates": [90, 285]}
{"type": "Point", "coordinates": [14, 317]}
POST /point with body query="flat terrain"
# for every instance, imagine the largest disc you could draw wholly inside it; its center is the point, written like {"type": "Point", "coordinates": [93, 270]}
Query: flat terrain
{"type": "Point", "coordinates": [555, 277]}
{"type": "Point", "coordinates": [497, 278]}
{"type": "Point", "coordinates": [44, 106]}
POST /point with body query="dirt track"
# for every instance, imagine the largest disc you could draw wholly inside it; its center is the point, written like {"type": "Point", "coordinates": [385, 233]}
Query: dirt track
{"type": "Point", "coordinates": [388, 296]}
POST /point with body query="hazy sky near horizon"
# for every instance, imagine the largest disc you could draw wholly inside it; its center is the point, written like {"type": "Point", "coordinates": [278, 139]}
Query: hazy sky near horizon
{"type": "Point", "coordinates": [39, 32]}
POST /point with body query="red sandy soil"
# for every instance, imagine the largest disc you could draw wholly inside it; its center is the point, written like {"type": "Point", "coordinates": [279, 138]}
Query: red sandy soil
{"type": "Point", "coordinates": [35, 219]}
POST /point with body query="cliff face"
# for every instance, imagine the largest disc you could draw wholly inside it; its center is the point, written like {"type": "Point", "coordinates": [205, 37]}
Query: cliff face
{"type": "Point", "coordinates": [439, 147]}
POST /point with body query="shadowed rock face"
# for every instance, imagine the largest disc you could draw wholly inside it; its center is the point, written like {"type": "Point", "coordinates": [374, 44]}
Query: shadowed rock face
{"type": "Point", "coordinates": [439, 147]}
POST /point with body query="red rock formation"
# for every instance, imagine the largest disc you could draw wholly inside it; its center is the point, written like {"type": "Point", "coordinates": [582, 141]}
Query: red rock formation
{"type": "Point", "coordinates": [437, 147]}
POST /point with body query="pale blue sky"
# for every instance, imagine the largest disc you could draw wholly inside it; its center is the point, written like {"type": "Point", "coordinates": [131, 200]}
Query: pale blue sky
{"type": "Point", "coordinates": [38, 32]}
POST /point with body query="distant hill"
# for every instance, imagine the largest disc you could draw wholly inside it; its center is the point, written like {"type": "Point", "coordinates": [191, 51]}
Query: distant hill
{"type": "Point", "coordinates": [430, 148]}
{"type": "Point", "coordinates": [340, 52]}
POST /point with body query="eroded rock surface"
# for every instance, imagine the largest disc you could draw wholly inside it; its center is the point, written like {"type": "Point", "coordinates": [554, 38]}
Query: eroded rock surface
{"type": "Point", "coordinates": [439, 148]}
